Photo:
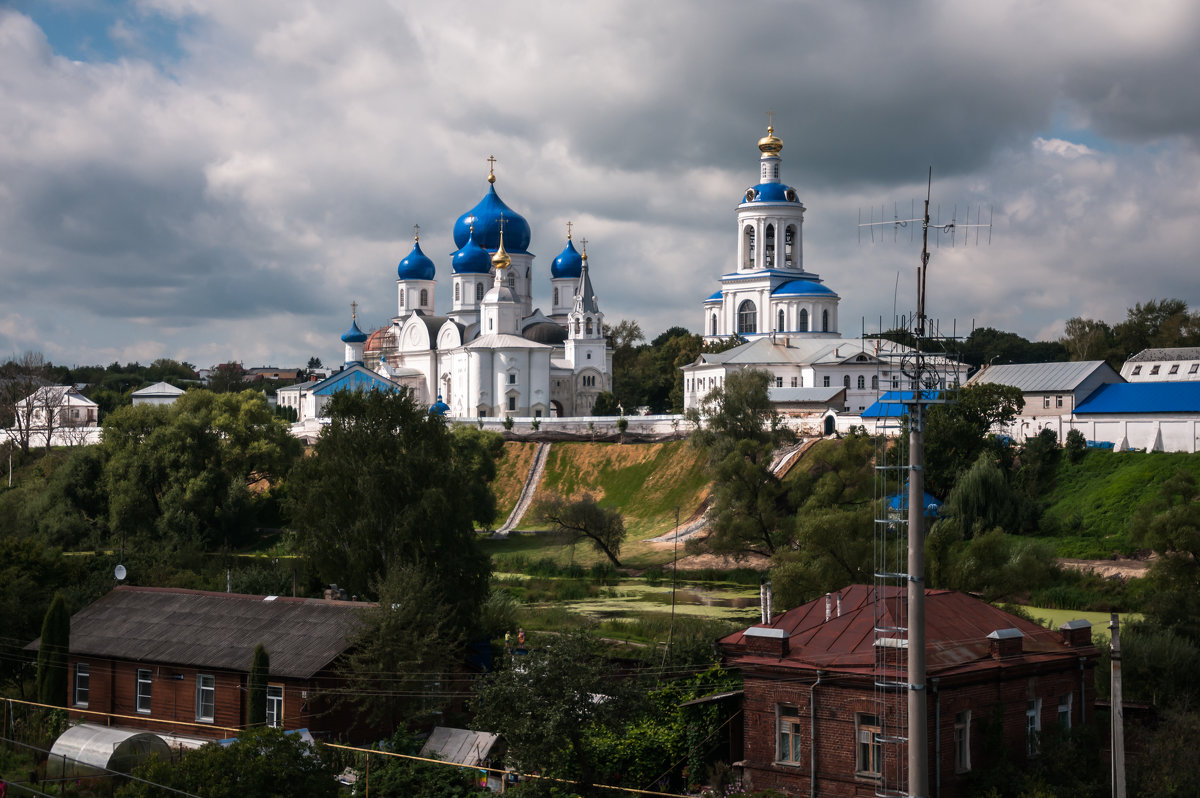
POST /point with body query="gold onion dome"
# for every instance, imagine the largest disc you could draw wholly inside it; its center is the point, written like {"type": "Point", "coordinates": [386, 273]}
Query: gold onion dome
{"type": "Point", "coordinates": [501, 260]}
{"type": "Point", "coordinates": [770, 144]}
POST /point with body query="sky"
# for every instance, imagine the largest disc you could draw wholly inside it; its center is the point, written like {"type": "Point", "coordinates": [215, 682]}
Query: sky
{"type": "Point", "coordinates": [216, 180]}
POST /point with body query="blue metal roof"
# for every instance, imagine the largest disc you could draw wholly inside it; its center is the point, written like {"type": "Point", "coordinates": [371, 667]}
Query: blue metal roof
{"type": "Point", "coordinates": [891, 404]}
{"type": "Point", "coordinates": [569, 262]}
{"type": "Point", "coordinates": [716, 297]}
{"type": "Point", "coordinates": [772, 192]}
{"type": "Point", "coordinates": [1143, 397]}
{"type": "Point", "coordinates": [898, 502]}
{"type": "Point", "coordinates": [438, 408]}
{"type": "Point", "coordinates": [471, 259]}
{"type": "Point", "coordinates": [355, 378]}
{"type": "Point", "coordinates": [486, 218]}
{"type": "Point", "coordinates": [416, 265]}
{"type": "Point", "coordinates": [802, 288]}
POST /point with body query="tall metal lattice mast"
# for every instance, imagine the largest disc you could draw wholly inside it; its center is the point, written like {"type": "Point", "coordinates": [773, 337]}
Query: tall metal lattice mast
{"type": "Point", "coordinates": [897, 746]}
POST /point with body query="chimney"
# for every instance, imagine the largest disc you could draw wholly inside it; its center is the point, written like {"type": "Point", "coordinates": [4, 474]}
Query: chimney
{"type": "Point", "coordinates": [1077, 633]}
{"type": "Point", "coordinates": [766, 640]}
{"type": "Point", "coordinates": [1005, 643]}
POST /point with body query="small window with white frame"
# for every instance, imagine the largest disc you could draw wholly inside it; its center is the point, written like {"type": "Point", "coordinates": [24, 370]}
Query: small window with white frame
{"type": "Point", "coordinates": [275, 705]}
{"type": "Point", "coordinates": [868, 750]}
{"type": "Point", "coordinates": [1195, 367]}
{"type": "Point", "coordinates": [962, 741]}
{"type": "Point", "coordinates": [1153, 370]}
{"type": "Point", "coordinates": [1033, 726]}
{"type": "Point", "coordinates": [787, 719]}
{"type": "Point", "coordinates": [1045, 402]}
{"type": "Point", "coordinates": [1058, 401]}
{"type": "Point", "coordinates": [144, 684]}
{"type": "Point", "coordinates": [83, 679]}
{"type": "Point", "coordinates": [1174, 369]}
{"type": "Point", "coordinates": [206, 698]}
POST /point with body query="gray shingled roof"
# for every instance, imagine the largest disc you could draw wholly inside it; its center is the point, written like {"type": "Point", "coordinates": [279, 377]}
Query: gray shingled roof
{"type": "Point", "coordinates": [195, 628]}
{"type": "Point", "coordinates": [1172, 353]}
{"type": "Point", "coordinates": [1035, 377]}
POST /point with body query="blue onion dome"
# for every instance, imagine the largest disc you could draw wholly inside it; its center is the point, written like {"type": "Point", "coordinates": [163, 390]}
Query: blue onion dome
{"type": "Point", "coordinates": [439, 408]}
{"type": "Point", "coordinates": [354, 335]}
{"type": "Point", "coordinates": [416, 265]}
{"type": "Point", "coordinates": [771, 192]}
{"type": "Point", "coordinates": [569, 263]}
{"type": "Point", "coordinates": [487, 218]}
{"type": "Point", "coordinates": [471, 258]}
{"type": "Point", "coordinates": [802, 288]}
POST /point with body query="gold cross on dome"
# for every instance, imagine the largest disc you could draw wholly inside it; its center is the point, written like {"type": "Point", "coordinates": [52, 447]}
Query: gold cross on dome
{"type": "Point", "coordinates": [416, 232]}
{"type": "Point", "coordinates": [568, 231]}
{"type": "Point", "coordinates": [584, 242]}
{"type": "Point", "coordinates": [491, 159]}
{"type": "Point", "coordinates": [770, 119]}
{"type": "Point", "coordinates": [354, 310]}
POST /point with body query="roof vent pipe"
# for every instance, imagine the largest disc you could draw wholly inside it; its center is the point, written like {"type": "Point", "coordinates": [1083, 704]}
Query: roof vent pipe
{"type": "Point", "coordinates": [764, 600]}
{"type": "Point", "coordinates": [828, 606]}
{"type": "Point", "coordinates": [839, 604]}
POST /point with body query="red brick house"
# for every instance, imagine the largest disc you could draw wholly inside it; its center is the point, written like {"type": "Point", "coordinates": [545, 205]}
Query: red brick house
{"type": "Point", "coordinates": [812, 709]}
{"type": "Point", "coordinates": [177, 661]}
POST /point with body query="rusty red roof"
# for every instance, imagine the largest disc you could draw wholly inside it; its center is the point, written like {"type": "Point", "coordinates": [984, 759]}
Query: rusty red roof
{"type": "Point", "coordinates": [957, 629]}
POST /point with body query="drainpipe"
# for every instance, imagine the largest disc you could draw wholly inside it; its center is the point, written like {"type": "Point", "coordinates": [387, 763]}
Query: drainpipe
{"type": "Point", "coordinates": [812, 745]}
{"type": "Point", "coordinates": [1082, 692]}
{"type": "Point", "coordinates": [937, 739]}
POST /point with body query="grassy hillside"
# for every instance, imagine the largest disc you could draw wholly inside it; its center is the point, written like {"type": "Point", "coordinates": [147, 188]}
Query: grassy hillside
{"type": "Point", "coordinates": [647, 481]}
{"type": "Point", "coordinates": [1090, 504]}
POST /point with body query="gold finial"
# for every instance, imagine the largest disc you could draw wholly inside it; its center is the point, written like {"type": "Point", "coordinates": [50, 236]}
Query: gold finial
{"type": "Point", "coordinates": [354, 310]}
{"type": "Point", "coordinates": [568, 231]}
{"type": "Point", "coordinates": [491, 168]}
{"type": "Point", "coordinates": [416, 232]}
{"type": "Point", "coordinates": [770, 145]}
{"type": "Point", "coordinates": [583, 242]}
{"type": "Point", "coordinates": [501, 260]}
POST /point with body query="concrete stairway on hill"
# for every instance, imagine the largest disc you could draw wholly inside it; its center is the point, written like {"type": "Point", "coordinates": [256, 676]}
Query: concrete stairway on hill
{"type": "Point", "coordinates": [528, 489]}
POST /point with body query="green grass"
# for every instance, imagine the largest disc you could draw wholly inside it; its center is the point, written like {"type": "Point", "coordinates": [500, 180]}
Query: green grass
{"type": "Point", "coordinates": [1053, 619]}
{"type": "Point", "coordinates": [1091, 504]}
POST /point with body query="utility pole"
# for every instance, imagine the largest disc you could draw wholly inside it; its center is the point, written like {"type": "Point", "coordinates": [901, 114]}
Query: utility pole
{"type": "Point", "coordinates": [1117, 712]}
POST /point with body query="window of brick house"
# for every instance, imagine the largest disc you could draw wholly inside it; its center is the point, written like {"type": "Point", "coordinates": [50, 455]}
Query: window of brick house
{"type": "Point", "coordinates": [788, 723]}
{"type": "Point", "coordinates": [143, 691]}
{"type": "Point", "coordinates": [868, 752]}
{"type": "Point", "coordinates": [83, 678]}
{"type": "Point", "coordinates": [1033, 725]}
{"type": "Point", "coordinates": [206, 698]}
{"type": "Point", "coordinates": [1064, 711]}
{"type": "Point", "coordinates": [962, 742]}
{"type": "Point", "coordinates": [275, 705]}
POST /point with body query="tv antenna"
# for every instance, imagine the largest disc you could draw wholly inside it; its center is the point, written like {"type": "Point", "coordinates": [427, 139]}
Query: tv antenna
{"type": "Point", "coordinates": [953, 229]}
{"type": "Point", "coordinates": [899, 572]}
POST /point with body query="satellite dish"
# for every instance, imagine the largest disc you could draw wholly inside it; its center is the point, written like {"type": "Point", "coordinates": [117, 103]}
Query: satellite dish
{"type": "Point", "coordinates": [119, 572]}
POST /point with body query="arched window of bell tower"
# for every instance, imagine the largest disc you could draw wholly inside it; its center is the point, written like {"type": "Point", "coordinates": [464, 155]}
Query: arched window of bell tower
{"type": "Point", "coordinates": [587, 326]}
{"type": "Point", "coordinates": [803, 325]}
{"type": "Point", "coordinates": [824, 321]}
{"type": "Point", "coordinates": [769, 247]}
{"type": "Point", "coordinates": [714, 325]}
{"type": "Point", "coordinates": [747, 318]}
{"type": "Point", "coordinates": [789, 246]}
{"type": "Point", "coordinates": [779, 325]}
{"type": "Point", "coordinates": [749, 236]}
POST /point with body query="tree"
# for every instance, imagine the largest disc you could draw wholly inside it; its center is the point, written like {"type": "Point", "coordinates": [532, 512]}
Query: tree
{"type": "Point", "coordinates": [1157, 323]}
{"type": "Point", "coordinates": [834, 547]}
{"type": "Point", "coordinates": [606, 404]}
{"type": "Point", "coordinates": [227, 378]}
{"type": "Point", "coordinates": [256, 687]}
{"type": "Point", "coordinates": [53, 649]}
{"type": "Point", "coordinates": [1075, 446]}
{"type": "Point", "coordinates": [738, 429]}
{"type": "Point", "coordinates": [1087, 339]}
{"type": "Point", "coordinates": [314, 362]}
{"type": "Point", "coordinates": [20, 381]}
{"type": "Point", "coordinates": [200, 471]}
{"type": "Point", "coordinates": [403, 644]}
{"type": "Point", "coordinates": [1170, 524]}
{"type": "Point", "coordinates": [956, 433]}
{"type": "Point", "coordinates": [583, 518]}
{"type": "Point", "coordinates": [389, 485]}
{"type": "Point", "coordinates": [546, 705]}
{"type": "Point", "coordinates": [260, 763]}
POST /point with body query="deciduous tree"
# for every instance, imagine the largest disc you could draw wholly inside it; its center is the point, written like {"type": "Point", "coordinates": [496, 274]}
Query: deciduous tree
{"type": "Point", "coordinates": [582, 519]}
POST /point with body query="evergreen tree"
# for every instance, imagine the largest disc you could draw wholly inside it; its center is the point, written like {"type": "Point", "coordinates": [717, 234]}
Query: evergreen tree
{"type": "Point", "coordinates": [52, 684]}
{"type": "Point", "coordinates": [256, 687]}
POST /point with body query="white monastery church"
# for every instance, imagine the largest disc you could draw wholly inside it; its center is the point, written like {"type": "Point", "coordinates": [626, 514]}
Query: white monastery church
{"type": "Point", "coordinates": [492, 354]}
{"type": "Point", "coordinates": [788, 316]}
